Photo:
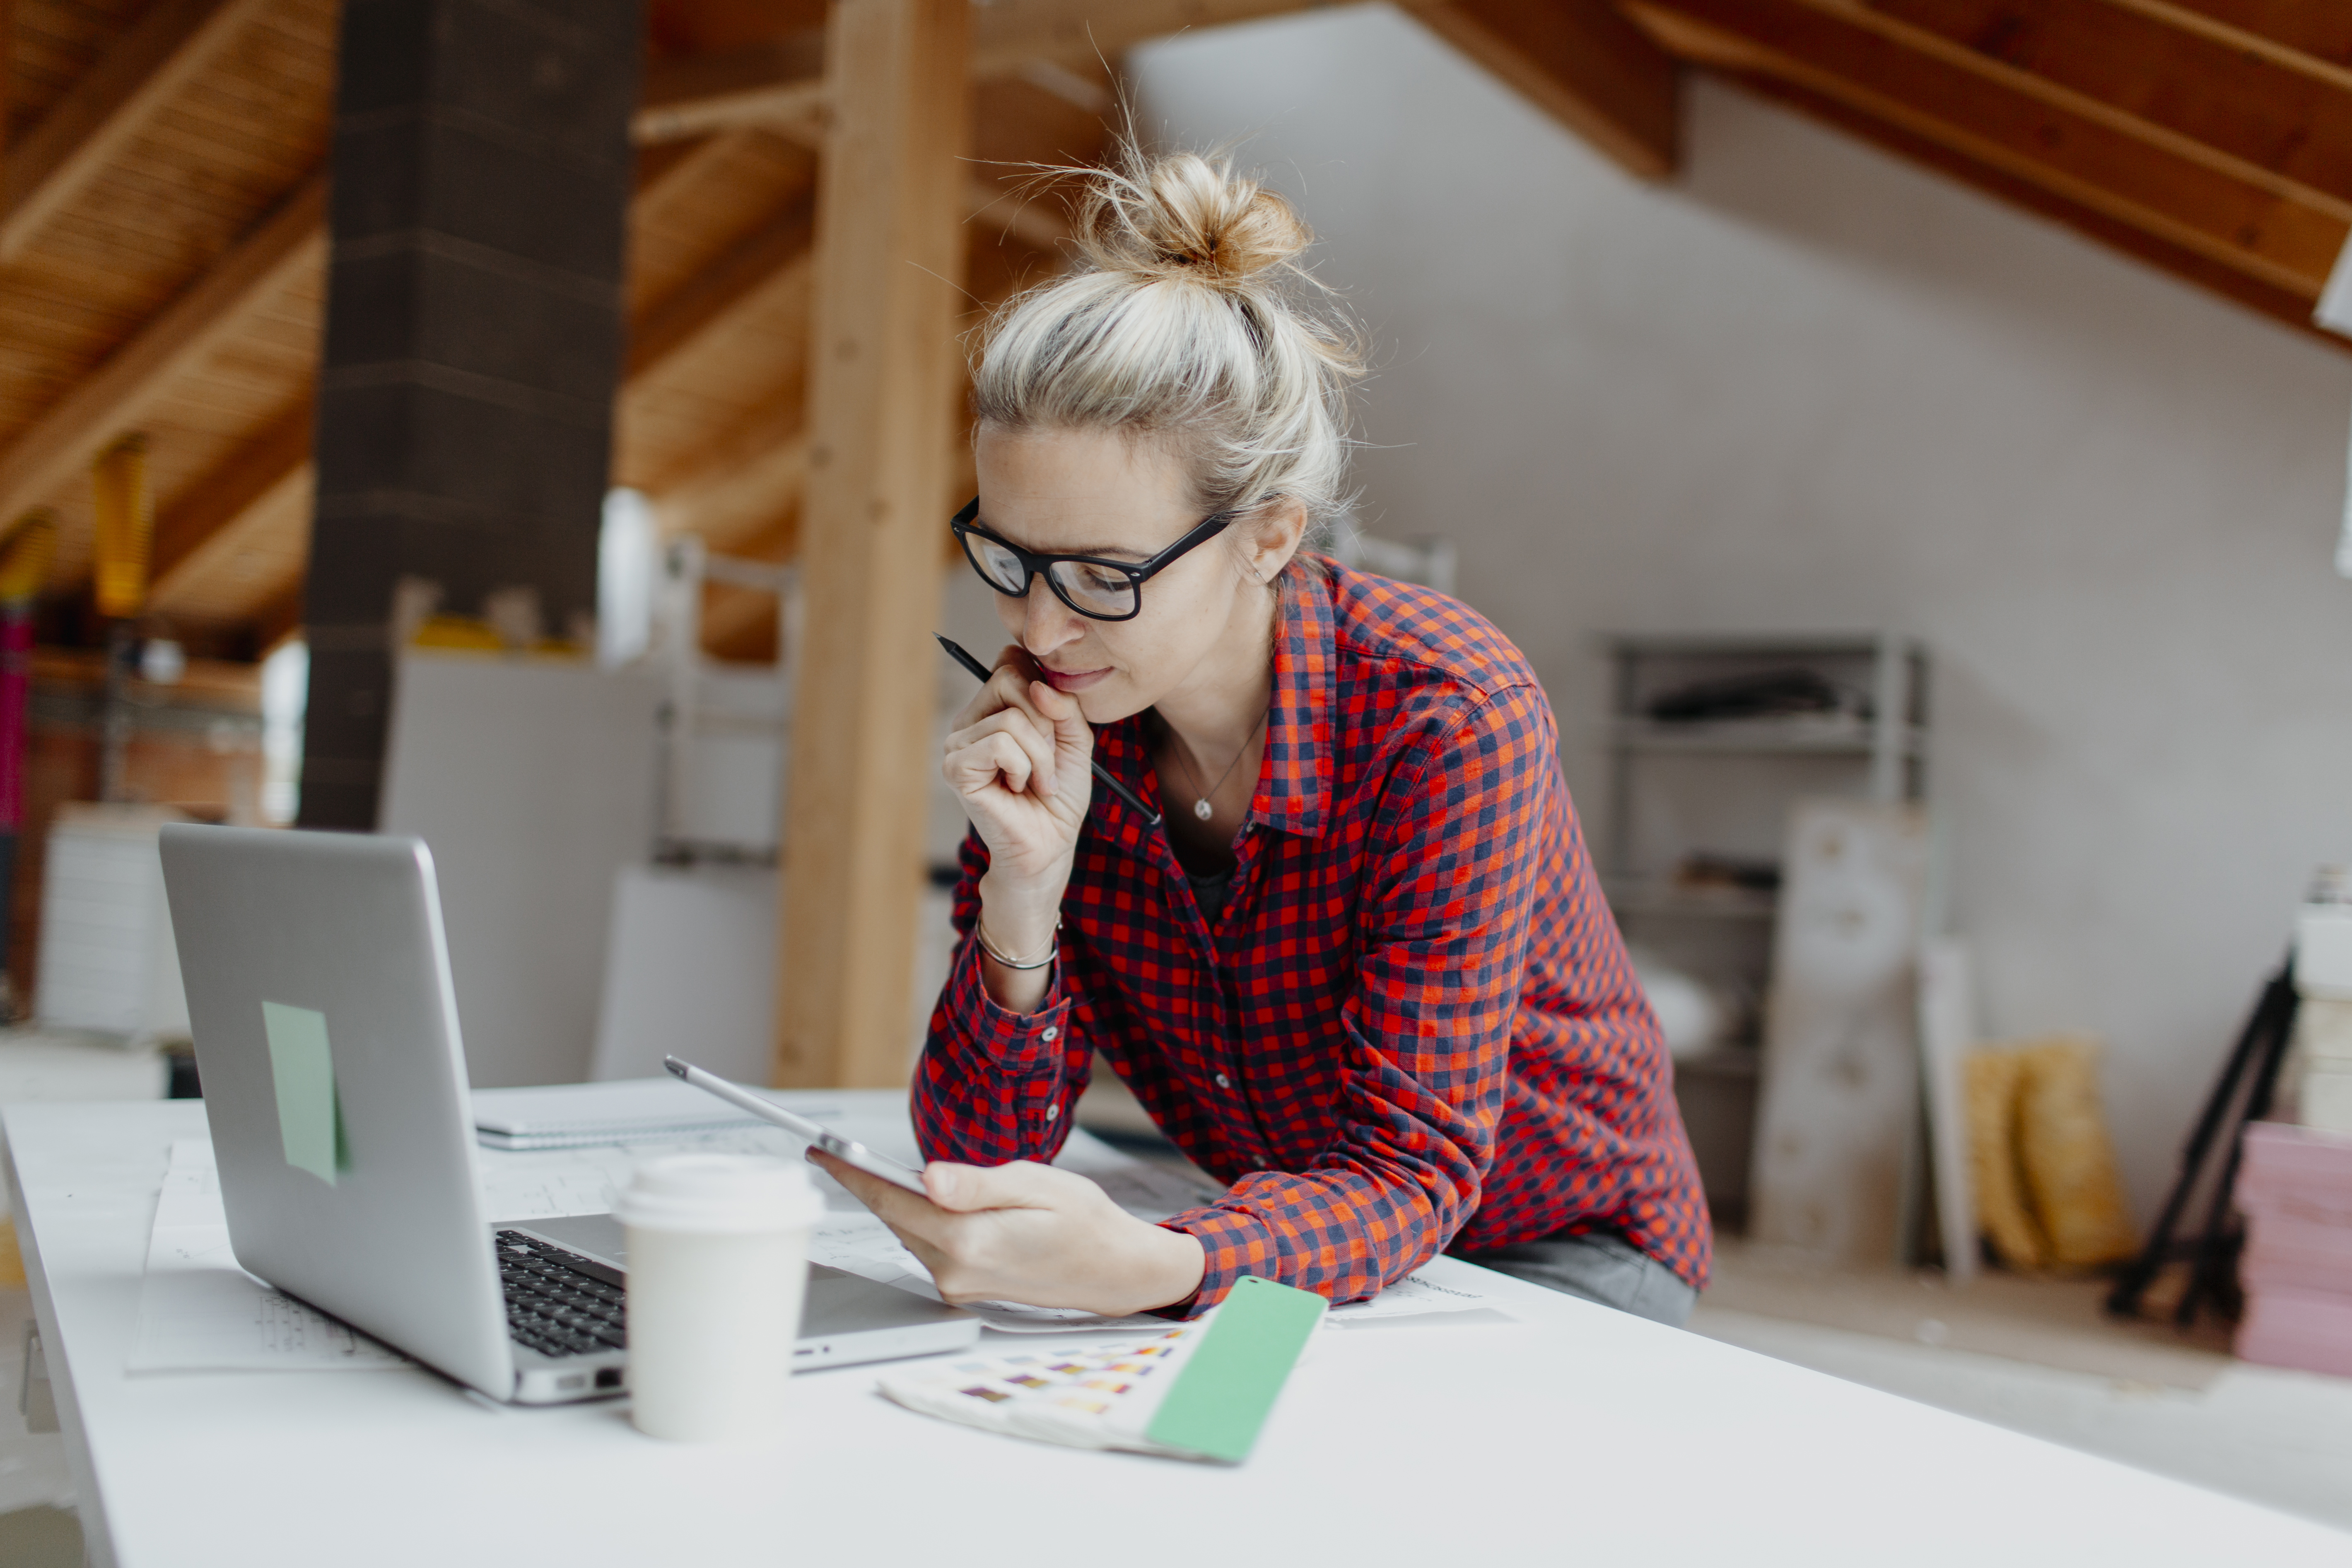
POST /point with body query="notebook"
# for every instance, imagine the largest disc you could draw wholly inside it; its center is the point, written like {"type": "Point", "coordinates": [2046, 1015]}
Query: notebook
{"type": "Point", "coordinates": [1200, 1391]}
{"type": "Point", "coordinates": [578, 1115]}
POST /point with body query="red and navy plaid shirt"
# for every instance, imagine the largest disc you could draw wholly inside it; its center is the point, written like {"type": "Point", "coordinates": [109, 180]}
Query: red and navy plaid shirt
{"type": "Point", "coordinates": [1415, 1028]}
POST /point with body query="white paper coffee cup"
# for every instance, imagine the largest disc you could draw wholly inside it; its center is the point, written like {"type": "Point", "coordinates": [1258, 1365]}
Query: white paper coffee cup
{"type": "Point", "coordinates": [718, 1266]}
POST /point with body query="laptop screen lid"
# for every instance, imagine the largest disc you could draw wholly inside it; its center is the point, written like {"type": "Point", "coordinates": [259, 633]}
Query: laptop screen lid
{"type": "Point", "coordinates": [334, 1082]}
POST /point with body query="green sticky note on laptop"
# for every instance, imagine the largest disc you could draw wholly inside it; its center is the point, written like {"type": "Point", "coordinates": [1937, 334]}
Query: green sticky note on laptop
{"type": "Point", "coordinates": [1228, 1386]}
{"type": "Point", "coordinates": [302, 1069]}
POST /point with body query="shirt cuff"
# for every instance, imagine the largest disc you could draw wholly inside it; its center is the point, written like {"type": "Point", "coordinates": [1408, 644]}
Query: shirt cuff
{"type": "Point", "coordinates": [1015, 1042]}
{"type": "Point", "coordinates": [1233, 1244]}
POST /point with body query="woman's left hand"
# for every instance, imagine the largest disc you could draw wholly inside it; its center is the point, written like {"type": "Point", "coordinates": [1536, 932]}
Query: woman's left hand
{"type": "Point", "coordinates": [1029, 1233]}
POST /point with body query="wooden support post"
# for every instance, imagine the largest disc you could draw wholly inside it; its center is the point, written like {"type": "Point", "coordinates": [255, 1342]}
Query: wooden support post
{"type": "Point", "coordinates": [883, 379]}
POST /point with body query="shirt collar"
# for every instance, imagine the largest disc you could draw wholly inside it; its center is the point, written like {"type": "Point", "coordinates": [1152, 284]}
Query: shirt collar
{"type": "Point", "coordinates": [1295, 785]}
{"type": "Point", "coordinates": [1294, 781]}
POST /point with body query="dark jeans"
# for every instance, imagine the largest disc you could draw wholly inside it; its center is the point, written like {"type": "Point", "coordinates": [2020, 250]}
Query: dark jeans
{"type": "Point", "coordinates": [1600, 1265]}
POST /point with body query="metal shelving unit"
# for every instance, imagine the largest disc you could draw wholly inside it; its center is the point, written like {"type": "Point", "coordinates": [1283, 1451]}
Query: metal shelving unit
{"type": "Point", "coordinates": [1722, 787]}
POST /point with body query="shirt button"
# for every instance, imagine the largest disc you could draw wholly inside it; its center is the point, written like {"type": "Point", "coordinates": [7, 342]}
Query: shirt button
{"type": "Point", "coordinates": [1051, 1112]}
{"type": "Point", "coordinates": [1051, 1033]}
{"type": "Point", "coordinates": [1224, 1082]}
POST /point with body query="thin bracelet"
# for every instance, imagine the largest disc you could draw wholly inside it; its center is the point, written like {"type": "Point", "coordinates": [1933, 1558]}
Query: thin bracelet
{"type": "Point", "coordinates": [1053, 947]}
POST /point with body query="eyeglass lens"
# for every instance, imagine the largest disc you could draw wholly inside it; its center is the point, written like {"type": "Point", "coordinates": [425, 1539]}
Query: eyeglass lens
{"type": "Point", "coordinates": [1097, 589]}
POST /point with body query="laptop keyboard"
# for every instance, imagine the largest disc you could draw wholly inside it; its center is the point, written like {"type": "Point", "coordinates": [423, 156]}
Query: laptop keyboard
{"type": "Point", "coordinates": [554, 1307]}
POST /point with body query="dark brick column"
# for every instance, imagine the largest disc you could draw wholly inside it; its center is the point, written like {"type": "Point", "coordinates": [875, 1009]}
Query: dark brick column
{"type": "Point", "coordinates": [482, 172]}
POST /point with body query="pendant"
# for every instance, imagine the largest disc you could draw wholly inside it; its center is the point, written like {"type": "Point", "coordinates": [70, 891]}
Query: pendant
{"type": "Point", "coordinates": [1201, 809]}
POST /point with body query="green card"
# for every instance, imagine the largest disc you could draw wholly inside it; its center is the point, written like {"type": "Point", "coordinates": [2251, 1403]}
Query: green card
{"type": "Point", "coordinates": [1228, 1386]}
{"type": "Point", "coordinates": [302, 1068]}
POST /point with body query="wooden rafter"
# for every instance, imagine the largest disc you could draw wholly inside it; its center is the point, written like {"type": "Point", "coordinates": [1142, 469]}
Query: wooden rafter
{"type": "Point", "coordinates": [259, 479]}
{"type": "Point", "coordinates": [88, 129]}
{"type": "Point", "coordinates": [1582, 63]}
{"type": "Point", "coordinates": [288, 243]}
{"type": "Point", "coordinates": [2181, 200]}
{"type": "Point", "coordinates": [2248, 115]}
{"type": "Point", "coordinates": [2291, 308]}
{"type": "Point", "coordinates": [2310, 35]}
{"type": "Point", "coordinates": [1006, 35]}
{"type": "Point", "coordinates": [733, 282]}
{"type": "Point", "coordinates": [741, 482]}
{"type": "Point", "coordinates": [779, 83]}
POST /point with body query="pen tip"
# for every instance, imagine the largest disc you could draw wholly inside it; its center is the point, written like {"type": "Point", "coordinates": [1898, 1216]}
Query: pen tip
{"type": "Point", "coordinates": [677, 1068]}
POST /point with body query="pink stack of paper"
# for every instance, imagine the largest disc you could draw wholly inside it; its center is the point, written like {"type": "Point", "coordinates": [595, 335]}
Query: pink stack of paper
{"type": "Point", "coordinates": [2295, 1187]}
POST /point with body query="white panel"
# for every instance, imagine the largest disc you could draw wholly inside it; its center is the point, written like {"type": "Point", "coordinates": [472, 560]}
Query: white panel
{"type": "Point", "coordinates": [1840, 1054]}
{"type": "Point", "coordinates": [692, 972]}
{"type": "Point", "coordinates": [107, 959]}
{"type": "Point", "coordinates": [533, 782]}
{"type": "Point", "coordinates": [727, 791]}
{"type": "Point", "coordinates": [1948, 1027]}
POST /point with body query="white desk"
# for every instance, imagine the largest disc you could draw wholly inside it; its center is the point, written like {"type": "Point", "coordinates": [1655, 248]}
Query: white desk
{"type": "Point", "coordinates": [1580, 1436]}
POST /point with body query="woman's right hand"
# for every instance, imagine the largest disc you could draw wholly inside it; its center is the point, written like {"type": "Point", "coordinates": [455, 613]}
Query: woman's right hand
{"type": "Point", "coordinates": [1018, 760]}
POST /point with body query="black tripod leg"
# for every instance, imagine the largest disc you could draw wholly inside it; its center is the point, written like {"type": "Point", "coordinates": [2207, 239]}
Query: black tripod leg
{"type": "Point", "coordinates": [2125, 1298]}
{"type": "Point", "coordinates": [2214, 1276]}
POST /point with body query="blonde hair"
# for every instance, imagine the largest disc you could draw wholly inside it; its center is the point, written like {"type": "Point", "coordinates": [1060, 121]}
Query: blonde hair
{"type": "Point", "coordinates": [1188, 319]}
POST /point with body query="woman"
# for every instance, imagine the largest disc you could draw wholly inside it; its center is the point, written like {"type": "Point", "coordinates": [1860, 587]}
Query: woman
{"type": "Point", "coordinates": [1362, 970]}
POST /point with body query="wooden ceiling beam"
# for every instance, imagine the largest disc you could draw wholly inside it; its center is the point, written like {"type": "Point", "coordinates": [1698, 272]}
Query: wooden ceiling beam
{"type": "Point", "coordinates": [728, 285]}
{"type": "Point", "coordinates": [1008, 33]}
{"type": "Point", "coordinates": [2287, 308]}
{"type": "Point", "coordinates": [289, 244]}
{"type": "Point", "coordinates": [2240, 111]}
{"type": "Point", "coordinates": [778, 84]}
{"type": "Point", "coordinates": [1582, 63]}
{"type": "Point", "coordinates": [278, 619]}
{"type": "Point", "coordinates": [2279, 241]}
{"type": "Point", "coordinates": [117, 99]}
{"type": "Point", "coordinates": [259, 478]}
{"type": "Point", "coordinates": [2311, 36]}
{"type": "Point", "coordinates": [740, 482]}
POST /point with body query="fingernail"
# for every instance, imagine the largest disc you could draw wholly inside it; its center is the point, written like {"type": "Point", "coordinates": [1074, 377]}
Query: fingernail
{"type": "Point", "coordinates": [945, 1184]}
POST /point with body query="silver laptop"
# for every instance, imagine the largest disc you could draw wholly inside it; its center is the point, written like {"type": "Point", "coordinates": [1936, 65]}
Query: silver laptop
{"type": "Point", "coordinates": [334, 1080]}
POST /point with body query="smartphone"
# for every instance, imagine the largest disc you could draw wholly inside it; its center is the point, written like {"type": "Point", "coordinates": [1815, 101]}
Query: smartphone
{"type": "Point", "coordinates": [848, 1150]}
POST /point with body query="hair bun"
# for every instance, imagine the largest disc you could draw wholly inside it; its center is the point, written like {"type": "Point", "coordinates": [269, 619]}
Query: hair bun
{"type": "Point", "coordinates": [1182, 216]}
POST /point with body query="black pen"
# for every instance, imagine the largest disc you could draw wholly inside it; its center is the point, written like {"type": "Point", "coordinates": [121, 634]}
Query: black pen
{"type": "Point", "coordinates": [956, 652]}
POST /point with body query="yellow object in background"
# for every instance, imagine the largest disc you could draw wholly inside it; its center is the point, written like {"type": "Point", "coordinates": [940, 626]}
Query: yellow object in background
{"type": "Point", "coordinates": [12, 1260]}
{"type": "Point", "coordinates": [25, 558]}
{"type": "Point", "coordinates": [461, 634]}
{"type": "Point", "coordinates": [2069, 1160]}
{"type": "Point", "coordinates": [2047, 1191]}
{"type": "Point", "coordinates": [125, 509]}
{"type": "Point", "coordinates": [1990, 1080]}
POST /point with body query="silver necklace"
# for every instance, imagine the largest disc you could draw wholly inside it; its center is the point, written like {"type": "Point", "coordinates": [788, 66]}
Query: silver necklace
{"type": "Point", "coordinates": [1201, 807]}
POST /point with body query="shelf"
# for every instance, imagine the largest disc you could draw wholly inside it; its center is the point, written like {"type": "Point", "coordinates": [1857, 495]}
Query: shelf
{"type": "Point", "coordinates": [1828, 645]}
{"type": "Point", "coordinates": [1691, 903]}
{"type": "Point", "coordinates": [1723, 1061]}
{"type": "Point", "coordinates": [1755, 739]}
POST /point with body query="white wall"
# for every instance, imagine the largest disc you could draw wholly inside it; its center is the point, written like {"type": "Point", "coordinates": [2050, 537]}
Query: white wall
{"type": "Point", "coordinates": [1808, 387]}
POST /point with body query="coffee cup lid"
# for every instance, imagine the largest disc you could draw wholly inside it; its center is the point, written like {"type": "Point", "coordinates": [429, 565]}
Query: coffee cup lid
{"type": "Point", "coordinates": [730, 1194]}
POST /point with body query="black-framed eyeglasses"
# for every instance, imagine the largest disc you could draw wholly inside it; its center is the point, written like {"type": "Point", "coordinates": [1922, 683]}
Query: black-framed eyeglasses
{"type": "Point", "coordinates": [1098, 589]}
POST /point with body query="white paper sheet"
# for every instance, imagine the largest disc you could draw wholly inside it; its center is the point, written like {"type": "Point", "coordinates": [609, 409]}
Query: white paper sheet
{"type": "Point", "coordinates": [199, 1311]}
